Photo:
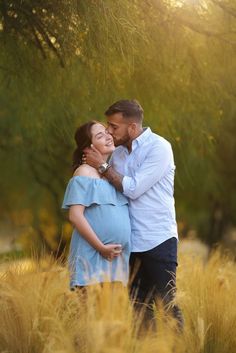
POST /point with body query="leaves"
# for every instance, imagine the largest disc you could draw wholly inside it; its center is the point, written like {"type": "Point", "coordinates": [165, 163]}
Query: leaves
{"type": "Point", "coordinates": [63, 62]}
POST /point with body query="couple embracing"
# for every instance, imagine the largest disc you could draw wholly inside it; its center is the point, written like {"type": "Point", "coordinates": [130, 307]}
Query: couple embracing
{"type": "Point", "coordinates": [121, 204]}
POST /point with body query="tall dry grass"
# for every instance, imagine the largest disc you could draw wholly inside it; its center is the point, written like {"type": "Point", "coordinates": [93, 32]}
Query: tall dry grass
{"type": "Point", "coordinates": [40, 314]}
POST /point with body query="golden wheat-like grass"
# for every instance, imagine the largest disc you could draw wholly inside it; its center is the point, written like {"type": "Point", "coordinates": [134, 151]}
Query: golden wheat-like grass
{"type": "Point", "coordinates": [40, 314]}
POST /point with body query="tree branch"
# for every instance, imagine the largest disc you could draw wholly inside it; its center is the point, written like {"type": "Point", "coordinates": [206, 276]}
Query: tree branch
{"type": "Point", "coordinates": [225, 8]}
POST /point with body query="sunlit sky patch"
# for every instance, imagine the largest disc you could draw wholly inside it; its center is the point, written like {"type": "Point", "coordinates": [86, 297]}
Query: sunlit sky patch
{"type": "Point", "coordinates": [181, 3]}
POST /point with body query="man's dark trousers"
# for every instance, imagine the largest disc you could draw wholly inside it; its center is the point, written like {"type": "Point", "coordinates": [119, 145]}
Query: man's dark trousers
{"type": "Point", "coordinates": [153, 277]}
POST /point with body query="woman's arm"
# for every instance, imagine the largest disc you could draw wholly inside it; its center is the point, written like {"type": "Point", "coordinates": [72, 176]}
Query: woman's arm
{"type": "Point", "coordinates": [76, 217]}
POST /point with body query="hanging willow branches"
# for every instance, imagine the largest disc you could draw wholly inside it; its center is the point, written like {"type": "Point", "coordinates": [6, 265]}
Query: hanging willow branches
{"type": "Point", "coordinates": [51, 26]}
{"type": "Point", "coordinates": [65, 28]}
{"type": "Point", "coordinates": [62, 27]}
{"type": "Point", "coordinates": [175, 56]}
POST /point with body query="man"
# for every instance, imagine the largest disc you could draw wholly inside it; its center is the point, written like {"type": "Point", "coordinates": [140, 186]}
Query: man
{"type": "Point", "coordinates": [142, 167]}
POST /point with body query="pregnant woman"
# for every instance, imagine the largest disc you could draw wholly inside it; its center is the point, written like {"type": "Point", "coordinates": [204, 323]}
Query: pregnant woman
{"type": "Point", "coordinates": [100, 244]}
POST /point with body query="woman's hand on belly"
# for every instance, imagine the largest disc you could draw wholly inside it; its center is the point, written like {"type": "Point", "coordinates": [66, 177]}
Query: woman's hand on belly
{"type": "Point", "coordinates": [110, 251]}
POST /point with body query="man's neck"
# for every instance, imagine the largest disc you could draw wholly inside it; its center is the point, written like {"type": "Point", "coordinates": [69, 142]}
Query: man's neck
{"type": "Point", "coordinates": [129, 144]}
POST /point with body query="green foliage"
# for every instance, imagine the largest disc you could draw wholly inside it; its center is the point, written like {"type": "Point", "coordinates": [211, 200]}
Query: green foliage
{"type": "Point", "coordinates": [62, 63]}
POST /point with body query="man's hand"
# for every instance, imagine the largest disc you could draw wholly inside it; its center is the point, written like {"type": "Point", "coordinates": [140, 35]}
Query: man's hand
{"type": "Point", "coordinates": [93, 157]}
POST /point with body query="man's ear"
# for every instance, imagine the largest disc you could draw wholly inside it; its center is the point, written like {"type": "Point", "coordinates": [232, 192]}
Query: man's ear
{"type": "Point", "coordinates": [132, 129]}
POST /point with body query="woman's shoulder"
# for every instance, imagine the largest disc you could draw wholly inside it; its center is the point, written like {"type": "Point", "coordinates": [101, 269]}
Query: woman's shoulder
{"type": "Point", "coordinates": [86, 187]}
{"type": "Point", "coordinates": [87, 171]}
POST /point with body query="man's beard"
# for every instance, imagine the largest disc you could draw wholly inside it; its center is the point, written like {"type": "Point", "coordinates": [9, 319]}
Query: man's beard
{"type": "Point", "coordinates": [124, 141]}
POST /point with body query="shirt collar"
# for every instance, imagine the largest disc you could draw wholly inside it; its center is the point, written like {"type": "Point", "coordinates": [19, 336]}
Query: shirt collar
{"type": "Point", "coordinates": [144, 135]}
{"type": "Point", "coordinates": [141, 138]}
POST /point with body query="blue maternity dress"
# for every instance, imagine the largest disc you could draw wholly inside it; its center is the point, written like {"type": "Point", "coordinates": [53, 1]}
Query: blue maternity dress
{"type": "Point", "coordinates": [106, 210]}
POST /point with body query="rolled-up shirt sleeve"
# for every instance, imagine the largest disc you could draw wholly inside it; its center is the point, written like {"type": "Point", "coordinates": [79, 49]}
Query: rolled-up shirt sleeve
{"type": "Point", "coordinates": [153, 168]}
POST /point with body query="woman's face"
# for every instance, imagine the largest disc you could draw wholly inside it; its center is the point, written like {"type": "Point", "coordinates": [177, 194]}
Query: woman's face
{"type": "Point", "coordinates": [101, 139]}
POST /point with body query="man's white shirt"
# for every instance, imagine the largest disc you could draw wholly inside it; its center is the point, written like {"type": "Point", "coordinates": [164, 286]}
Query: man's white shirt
{"type": "Point", "coordinates": [149, 185]}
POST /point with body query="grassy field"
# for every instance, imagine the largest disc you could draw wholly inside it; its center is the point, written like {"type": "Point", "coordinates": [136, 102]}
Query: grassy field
{"type": "Point", "coordinates": [40, 314]}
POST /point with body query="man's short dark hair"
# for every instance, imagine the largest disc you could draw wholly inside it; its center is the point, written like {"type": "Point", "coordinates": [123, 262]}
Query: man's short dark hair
{"type": "Point", "coordinates": [128, 108]}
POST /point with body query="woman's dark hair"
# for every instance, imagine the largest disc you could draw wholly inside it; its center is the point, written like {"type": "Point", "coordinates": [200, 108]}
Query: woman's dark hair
{"type": "Point", "coordinates": [83, 138]}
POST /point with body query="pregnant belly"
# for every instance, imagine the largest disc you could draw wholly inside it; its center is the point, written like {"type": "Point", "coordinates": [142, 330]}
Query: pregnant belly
{"type": "Point", "coordinates": [110, 223]}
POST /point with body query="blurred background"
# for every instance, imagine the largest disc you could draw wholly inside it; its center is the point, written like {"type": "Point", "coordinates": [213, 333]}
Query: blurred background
{"type": "Point", "coordinates": [64, 62]}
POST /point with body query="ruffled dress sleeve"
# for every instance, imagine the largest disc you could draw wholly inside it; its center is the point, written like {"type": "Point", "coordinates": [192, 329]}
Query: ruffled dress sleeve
{"type": "Point", "coordinates": [87, 191]}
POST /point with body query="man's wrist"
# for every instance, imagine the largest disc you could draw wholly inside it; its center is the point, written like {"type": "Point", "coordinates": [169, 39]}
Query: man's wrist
{"type": "Point", "coordinates": [103, 168]}
{"type": "Point", "coordinates": [114, 178]}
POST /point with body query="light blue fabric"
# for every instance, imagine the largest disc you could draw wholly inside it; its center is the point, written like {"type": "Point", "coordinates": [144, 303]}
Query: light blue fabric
{"type": "Point", "coordinates": [149, 185]}
{"type": "Point", "coordinates": [107, 213]}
